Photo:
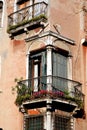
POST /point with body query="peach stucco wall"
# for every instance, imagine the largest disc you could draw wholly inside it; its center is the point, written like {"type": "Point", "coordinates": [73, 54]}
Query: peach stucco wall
{"type": "Point", "coordinates": [13, 66]}
{"type": "Point", "coordinates": [66, 14]}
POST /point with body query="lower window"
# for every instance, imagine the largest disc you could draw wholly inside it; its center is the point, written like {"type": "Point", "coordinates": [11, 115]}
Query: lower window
{"type": "Point", "coordinates": [62, 123]}
{"type": "Point", "coordinates": [34, 123]}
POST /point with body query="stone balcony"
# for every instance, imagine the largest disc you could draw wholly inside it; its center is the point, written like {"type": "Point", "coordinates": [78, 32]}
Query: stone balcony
{"type": "Point", "coordinates": [28, 18]}
{"type": "Point", "coordinates": [62, 94]}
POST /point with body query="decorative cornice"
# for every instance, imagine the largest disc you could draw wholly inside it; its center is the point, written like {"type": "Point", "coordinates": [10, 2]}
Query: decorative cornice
{"type": "Point", "coordinates": [53, 34]}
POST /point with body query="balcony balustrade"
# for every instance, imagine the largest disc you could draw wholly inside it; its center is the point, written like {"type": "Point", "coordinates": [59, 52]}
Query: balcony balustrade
{"type": "Point", "coordinates": [29, 17]}
{"type": "Point", "coordinates": [65, 93]}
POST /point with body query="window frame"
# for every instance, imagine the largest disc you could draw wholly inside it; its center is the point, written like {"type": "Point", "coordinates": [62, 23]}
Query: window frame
{"type": "Point", "coordinates": [63, 53]}
{"type": "Point", "coordinates": [38, 55]}
{"type": "Point", "coordinates": [59, 78]}
{"type": "Point", "coordinates": [21, 1]}
{"type": "Point", "coordinates": [45, 75]}
{"type": "Point", "coordinates": [16, 4]}
{"type": "Point", "coordinates": [2, 14]}
{"type": "Point", "coordinates": [62, 122]}
{"type": "Point", "coordinates": [33, 117]}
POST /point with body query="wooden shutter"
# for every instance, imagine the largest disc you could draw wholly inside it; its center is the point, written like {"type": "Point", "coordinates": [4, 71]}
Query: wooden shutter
{"type": "Point", "coordinates": [59, 70]}
{"type": "Point", "coordinates": [43, 70]}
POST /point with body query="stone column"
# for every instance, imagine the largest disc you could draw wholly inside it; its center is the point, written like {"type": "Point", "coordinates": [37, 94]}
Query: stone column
{"type": "Point", "coordinates": [49, 67]}
{"type": "Point", "coordinates": [49, 115]}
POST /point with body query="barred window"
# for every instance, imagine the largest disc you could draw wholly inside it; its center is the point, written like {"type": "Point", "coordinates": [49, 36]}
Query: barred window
{"type": "Point", "coordinates": [62, 123]}
{"type": "Point", "coordinates": [34, 123]}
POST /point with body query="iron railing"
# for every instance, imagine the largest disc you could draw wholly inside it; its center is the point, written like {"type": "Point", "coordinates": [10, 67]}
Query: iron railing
{"type": "Point", "coordinates": [70, 88]}
{"type": "Point", "coordinates": [27, 13]}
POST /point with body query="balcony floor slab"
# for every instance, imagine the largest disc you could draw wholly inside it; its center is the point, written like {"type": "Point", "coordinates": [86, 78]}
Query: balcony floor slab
{"type": "Point", "coordinates": [63, 105]}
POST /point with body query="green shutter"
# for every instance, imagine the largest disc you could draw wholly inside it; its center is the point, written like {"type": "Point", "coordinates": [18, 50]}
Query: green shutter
{"type": "Point", "coordinates": [30, 68]}
{"type": "Point", "coordinates": [59, 70]}
{"type": "Point", "coordinates": [43, 69]}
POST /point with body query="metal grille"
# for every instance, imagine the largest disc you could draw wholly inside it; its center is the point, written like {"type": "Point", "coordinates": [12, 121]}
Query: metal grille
{"type": "Point", "coordinates": [62, 123]}
{"type": "Point", "coordinates": [27, 13]}
{"type": "Point", "coordinates": [34, 123]}
{"type": "Point", "coordinates": [73, 85]}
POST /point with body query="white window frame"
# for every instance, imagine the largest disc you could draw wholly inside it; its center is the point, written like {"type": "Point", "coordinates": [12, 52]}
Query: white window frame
{"type": "Point", "coordinates": [35, 77]}
{"type": "Point", "coordinates": [2, 18]}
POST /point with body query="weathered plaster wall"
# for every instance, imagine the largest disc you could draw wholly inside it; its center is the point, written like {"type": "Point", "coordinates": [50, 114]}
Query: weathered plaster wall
{"type": "Point", "coordinates": [12, 65]}
{"type": "Point", "coordinates": [68, 15]}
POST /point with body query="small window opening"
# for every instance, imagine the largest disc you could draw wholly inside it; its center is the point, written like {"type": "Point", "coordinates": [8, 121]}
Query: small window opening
{"type": "Point", "coordinates": [62, 123]}
{"type": "Point", "coordinates": [21, 1]}
{"type": "Point", "coordinates": [1, 9]}
{"type": "Point", "coordinates": [22, 4]}
{"type": "Point", "coordinates": [34, 123]}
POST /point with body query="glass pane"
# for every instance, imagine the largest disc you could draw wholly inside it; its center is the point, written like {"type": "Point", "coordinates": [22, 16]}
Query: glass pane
{"type": "Point", "coordinates": [43, 69]}
{"type": "Point", "coordinates": [62, 123]}
{"type": "Point", "coordinates": [35, 77]}
{"type": "Point", "coordinates": [37, 71]}
{"type": "Point", "coordinates": [34, 123]}
{"type": "Point", "coordinates": [59, 70]}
